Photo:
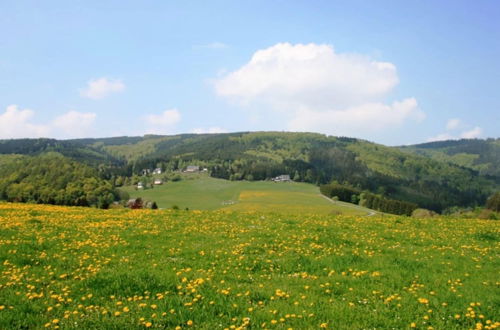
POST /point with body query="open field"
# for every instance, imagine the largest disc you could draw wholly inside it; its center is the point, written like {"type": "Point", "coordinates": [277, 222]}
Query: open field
{"type": "Point", "coordinates": [64, 267]}
{"type": "Point", "coordinates": [201, 192]}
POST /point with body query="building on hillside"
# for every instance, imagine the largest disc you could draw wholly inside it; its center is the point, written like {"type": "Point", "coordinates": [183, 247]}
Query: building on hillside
{"type": "Point", "coordinates": [146, 171]}
{"type": "Point", "coordinates": [157, 170]}
{"type": "Point", "coordinates": [282, 178]}
{"type": "Point", "coordinates": [140, 185]}
{"type": "Point", "coordinates": [192, 169]}
{"type": "Point", "coordinates": [158, 181]}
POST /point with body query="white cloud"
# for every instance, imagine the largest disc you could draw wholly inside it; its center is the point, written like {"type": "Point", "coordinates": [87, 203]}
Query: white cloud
{"type": "Point", "coordinates": [164, 122]}
{"type": "Point", "coordinates": [100, 88]}
{"type": "Point", "coordinates": [308, 75]}
{"type": "Point", "coordinates": [472, 134]}
{"type": "Point", "coordinates": [368, 117]}
{"type": "Point", "coordinates": [441, 137]}
{"type": "Point", "coordinates": [210, 130]}
{"type": "Point", "coordinates": [314, 88]}
{"type": "Point", "coordinates": [16, 123]}
{"type": "Point", "coordinates": [453, 124]}
{"type": "Point", "coordinates": [74, 124]}
{"type": "Point", "coordinates": [166, 118]}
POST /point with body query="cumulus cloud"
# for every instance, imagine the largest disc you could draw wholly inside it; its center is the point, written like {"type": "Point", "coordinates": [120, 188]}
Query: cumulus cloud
{"type": "Point", "coordinates": [472, 134]}
{"type": "Point", "coordinates": [369, 117]}
{"type": "Point", "coordinates": [74, 124]}
{"type": "Point", "coordinates": [315, 88]}
{"type": "Point", "coordinates": [162, 123]}
{"type": "Point", "coordinates": [100, 88]}
{"type": "Point", "coordinates": [452, 126]}
{"type": "Point", "coordinates": [210, 130]}
{"type": "Point", "coordinates": [16, 123]}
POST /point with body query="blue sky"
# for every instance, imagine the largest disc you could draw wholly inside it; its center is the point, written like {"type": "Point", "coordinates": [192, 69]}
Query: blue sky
{"type": "Point", "coordinates": [393, 72]}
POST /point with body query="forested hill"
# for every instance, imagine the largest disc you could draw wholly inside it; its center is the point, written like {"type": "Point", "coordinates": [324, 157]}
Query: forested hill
{"type": "Point", "coordinates": [399, 173]}
{"type": "Point", "coordinates": [480, 155]}
{"type": "Point", "coordinates": [51, 178]}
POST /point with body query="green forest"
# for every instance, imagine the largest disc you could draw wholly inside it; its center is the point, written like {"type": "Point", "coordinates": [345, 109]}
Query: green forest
{"type": "Point", "coordinates": [51, 178]}
{"type": "Point", "coordinates": [434, 176]}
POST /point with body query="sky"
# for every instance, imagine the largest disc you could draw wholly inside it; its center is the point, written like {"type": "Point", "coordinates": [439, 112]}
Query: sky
{"type": "Point", "coordinates": [391, 72]}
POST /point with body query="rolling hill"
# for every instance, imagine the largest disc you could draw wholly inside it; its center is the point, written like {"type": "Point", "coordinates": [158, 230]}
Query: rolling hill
{"type": "Point", "coordinates": [434, 176]}
{"type": "Point", "coordinates": [201, 192]}
{"type": "Point", "coordinates": [480, 155]}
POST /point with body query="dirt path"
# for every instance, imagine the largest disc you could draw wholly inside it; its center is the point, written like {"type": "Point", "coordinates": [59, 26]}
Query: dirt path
{"type": "Point", "coordinates": [369, 213]}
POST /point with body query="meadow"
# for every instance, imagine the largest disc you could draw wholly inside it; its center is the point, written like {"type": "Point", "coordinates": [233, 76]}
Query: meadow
{"type": "Point", "coordinates": [201, 192]}
{"type": "Point", "coordinates": [70, 267]}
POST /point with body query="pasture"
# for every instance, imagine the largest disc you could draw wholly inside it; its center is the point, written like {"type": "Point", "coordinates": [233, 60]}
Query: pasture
{"type": "Point", "coordinates": [201, 192]}
{"type": "Point", "coordinates": [74, 268]}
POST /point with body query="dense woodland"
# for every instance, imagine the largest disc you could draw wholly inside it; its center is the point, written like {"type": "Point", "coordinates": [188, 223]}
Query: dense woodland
{"type": "Point", "coordinates": [86, 171]}
{"type": "Point", "coordinates": [51, 178]}
{"type": "Point", "coordinates": [367, 199]}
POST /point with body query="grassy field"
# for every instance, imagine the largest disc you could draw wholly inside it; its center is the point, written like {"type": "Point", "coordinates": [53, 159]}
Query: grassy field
{"type": "Point", "coordinates": [201, 192]}
{"type": "Point", "coordinates": [65, 267]}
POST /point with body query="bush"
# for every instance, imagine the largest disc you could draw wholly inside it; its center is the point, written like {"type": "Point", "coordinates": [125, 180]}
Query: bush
{"type": "Point", "coordinates": [176, 177]}
{"type": "Point", "coordinates": [488, 215]}
{"type": "Point", "coordinates": [423, 213]}
{"type": "Point", "coordinates": [123, 195]}
{"type": "Point", "coordinates": [493, 202]}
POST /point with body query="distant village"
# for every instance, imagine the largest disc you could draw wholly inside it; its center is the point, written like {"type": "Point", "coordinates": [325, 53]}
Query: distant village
{"type": "Point", "coordinates": [158, 171]}
{"type": "Point", "coordinates": [191, 169]}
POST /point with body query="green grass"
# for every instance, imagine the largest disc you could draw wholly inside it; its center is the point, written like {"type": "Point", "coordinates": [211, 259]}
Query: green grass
{"type": "Point", "coordinates": [201, 192]}
{"type": "Point", "coordinates": [83, 268]}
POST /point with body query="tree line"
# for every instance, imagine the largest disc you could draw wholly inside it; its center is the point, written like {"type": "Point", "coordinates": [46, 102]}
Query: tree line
{"type": "Point", "coordinates": [367, 199]}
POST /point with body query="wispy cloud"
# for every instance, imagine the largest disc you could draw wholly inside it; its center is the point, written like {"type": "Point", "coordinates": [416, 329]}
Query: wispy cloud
{"type": "Point", "coordinates": [472, 134]}
{"type": "Point", "coordinates": [453, 131]}
{"type": "Point", "coordinates": [210, 130]}
{"type": "Point", "coordinates": [74, 123]}
{"type": "Point", "coordinates": [162, 123]}
{"type": "Point", "coordinates": [453, 124]}
{"type": "Point", "coordinates": [102, 87]}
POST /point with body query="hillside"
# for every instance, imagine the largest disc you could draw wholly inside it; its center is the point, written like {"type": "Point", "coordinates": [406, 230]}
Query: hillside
{"type": "Point", "coordinates": [399, 173]}
{"type": "Point", "coordinates": [480, 155]}
{"type": "Point", "coordinates": [201, 192]}
{"type": "Point", "coordinates": [51, 178]}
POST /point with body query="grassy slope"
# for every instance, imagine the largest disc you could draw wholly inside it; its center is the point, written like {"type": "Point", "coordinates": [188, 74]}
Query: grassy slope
{"type": "Point", "coordinates": [82, 268]}
{"type": "Point", "coordinates": [201, 192]}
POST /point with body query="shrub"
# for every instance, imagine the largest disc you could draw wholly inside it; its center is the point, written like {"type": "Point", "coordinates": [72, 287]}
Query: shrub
{"type": "Point", "coordinates": [493, 202]}
{"type": "Point", "coordinates": [423, 213]}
